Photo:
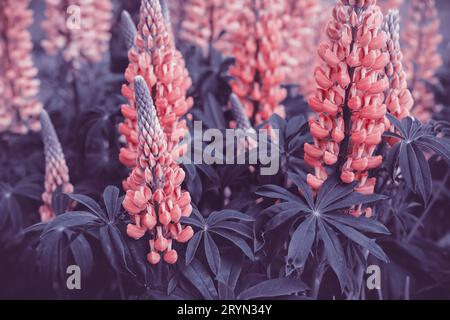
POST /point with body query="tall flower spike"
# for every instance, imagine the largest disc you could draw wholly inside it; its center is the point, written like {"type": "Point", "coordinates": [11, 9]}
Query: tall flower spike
{"type": "Point", "coordinates": [19, 86]}
{"type": "Point", "coordinates": [79, 29]}
{"type": "Point", "coordinates": [421, 57]}
{"type": "Point", "coordinates": [56, 171]}
{"type": "Point", "coordinates": [257, 46]}
{"type": "Point", "coordinates": [155, 58]}
{"type": "Point", "coordinates": [127, 29]}
{"type": "Point", "coordinates": [349, 100]}
{"type": "Point", "coordinates": [154, 198]}
{"type": "Point", "coordinates": [399, 99]}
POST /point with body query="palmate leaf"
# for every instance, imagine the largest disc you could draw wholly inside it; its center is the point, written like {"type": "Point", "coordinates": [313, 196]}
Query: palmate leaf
{"type": "Point", "coordinates": [322, 217]}
{"type": "Point", "coordinates": [76, 229]}
{"type": "Point", "coordinates": [273, 288]}
{"type": "Point", "coordinates": [199, 277]}
{"type": "Point", "coordinates": [230, 225]}
{"type": "Point", "coordinates": [415, 138]}
{"type": "Point", "coordinates": [301, 242]}
{"type": "Point", "coordinates": [11, 196]}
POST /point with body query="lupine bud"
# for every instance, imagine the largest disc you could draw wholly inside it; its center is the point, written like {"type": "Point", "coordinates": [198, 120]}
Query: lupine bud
{"type": "Point", "coordinates": [56, 171]}
{"type": "Point", "coordinates": [421, 55]}
{"type": "Point", "coordinates": [257, 46]}
{"type": "Point", "coordinates": [350, 92]}
{"type": "Point", "coordinates": [399, 100]}
{"type": "Point", "coordinates": [83, 37]}
{"type": "Point", "coordinates": [128, 29]}
{"type": "Point", "coordinates": [19, 86]}
{"type": "Point", "coordinates": [154, 199]}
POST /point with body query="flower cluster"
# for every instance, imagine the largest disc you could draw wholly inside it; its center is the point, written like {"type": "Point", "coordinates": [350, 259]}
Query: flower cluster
{"type": "Point", "coordinates": [155, 58]}
{"type": "Point", "coordinates": [421, 41]}
{"type": "Point", "coordinates": [399, 99]}
{"type": "Point", "coordinates": [154, 199]}
{"type": "Point", "coordinates": [79, 29]}
{"type": "Point", "coordinates": [257, 47]}
{"type": "Point", "coordinates": [19, 107]}
{"type": "Point", "coordinates": [56, 171]}
{"type": "Point", "coordinates": [205, 21]}
{"type": "Point", "coordinates": [349, 100]}
{"type": "Point", "coordinates": [303, 24]}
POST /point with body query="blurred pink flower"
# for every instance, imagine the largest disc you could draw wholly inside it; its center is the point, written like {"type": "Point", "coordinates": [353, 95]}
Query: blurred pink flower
{"type": "Point", "coordinates": [350, 100]}
{"type": "Point", "coordinates": [19, 86]}
{"type": "Point", "coordinates": [303, 30]}
{"type": "Point", "coordinates": [205, 22]}
{"type": "Point", "coordinates": [154, 198]}
{"type": "Point", "coordinates": [56, 171]}
{"type": "Point", "coordinates": [80, 29]}
{"type": "Point", "coordinates": [257, 47]}
{"type": "Point", "coordinates": [421, 56]}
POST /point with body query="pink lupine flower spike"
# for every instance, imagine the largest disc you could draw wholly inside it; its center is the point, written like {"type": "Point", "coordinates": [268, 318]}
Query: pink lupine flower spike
{"type": "Point", "coordinates": [154, 198]}
{"type": "Point", "coordinates": [56, 171]}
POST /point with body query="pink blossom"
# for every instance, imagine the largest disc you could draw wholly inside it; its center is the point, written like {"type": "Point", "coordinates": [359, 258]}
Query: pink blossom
{"type": "Point", "coordinates": [19, 86]}
{"type": "Point", "coordinates": [155, 58]}
{"type": "Point", "coordinates": [421, 42]}
{"type": "Point", "coordinates": [205, 21]}
{"type": "Point", "coordinates": [154, 198]}
{"type": "Point", "coordinates": [257, 47]}
{"type": "Point", "coordinates": [80, 39]}
{"type": "Point", "coordinates": [349, 101]}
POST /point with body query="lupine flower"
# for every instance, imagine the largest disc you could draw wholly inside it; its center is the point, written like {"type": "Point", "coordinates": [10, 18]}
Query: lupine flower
{"type": "Point", "coordinates": [349, 100]}
{"type": "Point", "coordinates": [205, 21]}
{"type": "Point", "coordinates": [387, 5]}
{"type": "Point", "coordinates": [303, 24]}
{"type": "Point", "coordinates": [83, 43]}
{"type": "Point", "coordinates": [154, 199]}
{"type": "Point", "coordinates": [421, 57]}
{"type": "Point", "coordinates": [56, 171]}
{"type": "Point", "coordinates": [156, 59]}
{"type": "Point", "coordinates": [19, 108]}
{"type": "Point", "coordinates": [399, 99]}
{"type": "Point", "coordinates": [257, 46]}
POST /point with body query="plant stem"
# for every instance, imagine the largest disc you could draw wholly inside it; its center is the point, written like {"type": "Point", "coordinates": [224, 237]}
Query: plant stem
{"type": "Point", "coordinates": [427, 211]}
{"type": "Point", "coordinates": [317, 278]}
{"type": "Point", "coordinates": [119, 283]}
